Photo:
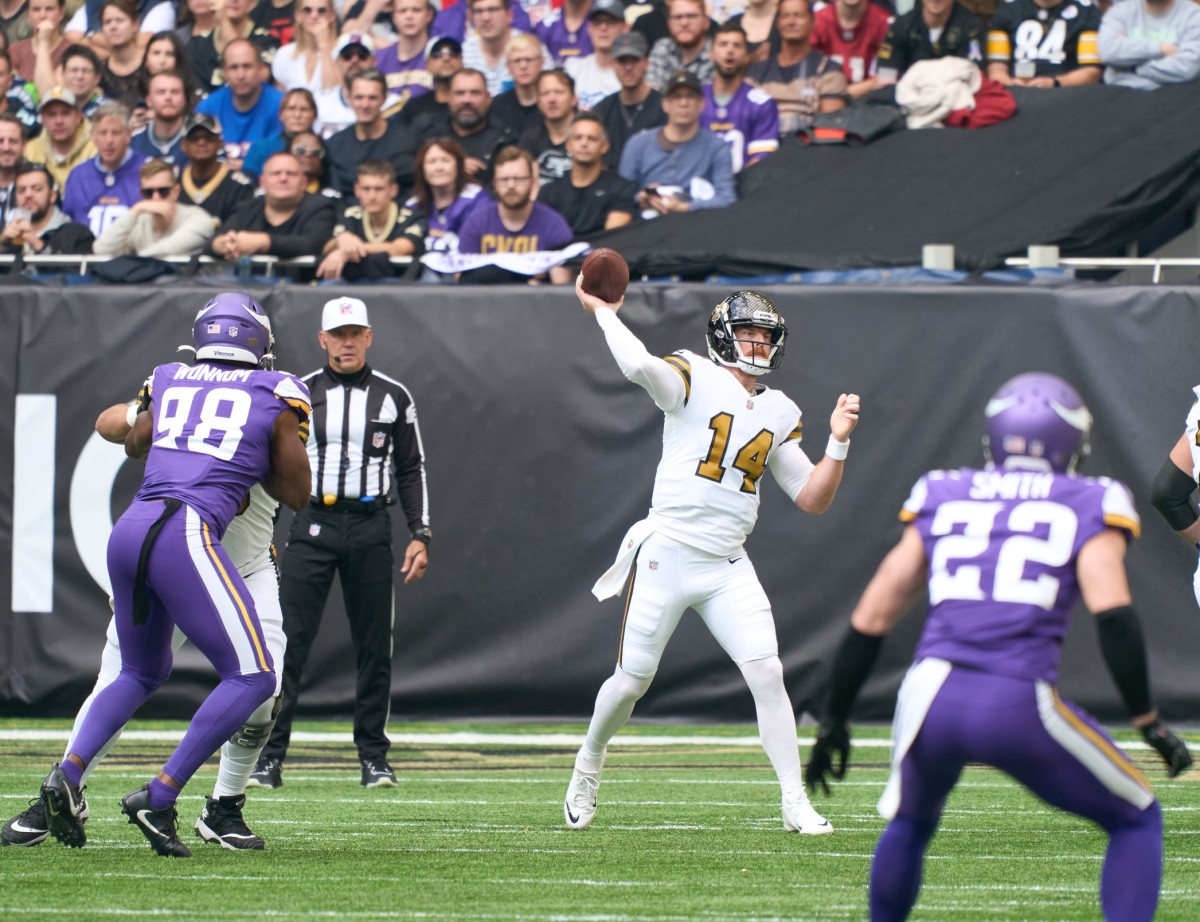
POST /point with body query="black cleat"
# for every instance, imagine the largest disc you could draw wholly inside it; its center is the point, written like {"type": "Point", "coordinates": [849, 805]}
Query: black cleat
{"type": "Point", "coordinates": [158, 826]}
{"type": "Point", "coordinates": [376, 773]}
{"type": "Point", "coordinates": [63, 809]}
{"type": "Point", "coordinates": [222, 823]}
{"type": "Point", "coordinates": [268, 773]}
{"type": "Point", "coordinates": [28, 828]}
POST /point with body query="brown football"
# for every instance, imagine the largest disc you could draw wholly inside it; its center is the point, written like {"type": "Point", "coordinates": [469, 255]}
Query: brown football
{"type": "Point", "coordinates": [605, 275]}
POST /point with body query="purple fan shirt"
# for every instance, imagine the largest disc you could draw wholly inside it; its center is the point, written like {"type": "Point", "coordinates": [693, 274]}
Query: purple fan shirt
{"type": "Point", "coordinates": [445, 223]}
{"type": "Point", "coordinates": [749, 123]}
{"type": "Point", "coordinates": [212, 434]}
{"type": "Point", "coordinates": [95, 198]}
{"type": "Point", "coordinates": [484, 232]}
{"type": "Point", "coordinates": [408, 78]}
{"type": "Point", "coordinates": [452, 21]}
{"type": "Point", "coordinates": [560, 41]}
{"type": "Point", "coordinates": [1002, 547]}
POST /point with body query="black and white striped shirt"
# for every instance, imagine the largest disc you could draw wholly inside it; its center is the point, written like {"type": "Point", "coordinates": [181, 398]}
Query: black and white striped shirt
{"type": "Point", "coordinates": [364, 436]}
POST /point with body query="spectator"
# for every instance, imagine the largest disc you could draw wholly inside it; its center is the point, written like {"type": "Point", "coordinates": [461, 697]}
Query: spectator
{"type": "Point", "coordinates": [87, 26]}
{"type": "Point", "coordinates": [758, 22]}
{"type": "Point", "coordinates": [1044, 43]}
{"type": "Point", "coordinates": [308, 60]}
{"type": "Point", "coordinates": [206, 52]}
{"type": "Point", "coordinates": [297, 114]}
{"type": "Point", "coordinates": [100, 190]}
{"type": "Point", "coordinates": [196, 18]}
{"type": "Point", "coordinates": [637, 106]}
{"type": "Point", "coordinates": [514, 223]}
{"type": "Point", "coordinates": [277, 18]}
{"type": "Point", "coordinates": [120, 72]}
{"type": "Point", "coordinates": [688, 47]}
{"type": "Point", "coordinates": [371, 137]}
{"type": "Point", "coordinates": [680, 167]}
{"type": "Point", "coordinates": [443, 61]}
{"type": "Point", "coordinates": [564, 31]}
{"type": "Point", "coordinates": [443, 196]}
{"type": "Point", "coordinates": [745, 116]}
{"type": "Point", "coordinates": [206, 181]}
{"type": "Point", "coordinates": [39, 57]}
{"type": "Point", "coordinates": [850, 33]}
{"type": "Point", "coordinates": [12, 144]}
{"type": "Point", "coordinates": [593, 74]}
{"type": "Point", "coordinates": [16, 99]}
{"type": "Point", "coordinates": [81, 75]}
{"type": "Point", "coordinates": [1149, 43]}
{"type": "Point", "coordinates": [518, 107]}
{"type": "Point", "coordinates": [403, 63]}
{"type": "Point", "coordinates": [469, 123]}
{"type": "Point", "coordinates": [165, 54]}
{"type": "Point", "coordinates": [66, 138]}
{"type": "Point", "coordinates": [167, 101]}
{"type": "Point", "coordinates": [353, 55]}
{"type": "Point", "coordinates": [37, 227]}
{"type": "Point", "coordinates": [373, 231]}
{"type": "Point", "coordinates": [590, 197]}
{"type": "Point", "coordinates": [14, 21]}
{"type": "Point", "coordinates": [652, 24]}
{"type": "Point", "coordinates": [548, 141]}
{"type": "Point", "coordinates": [800, 79]}
{"type": "Point", "coordinates": [485, 50]}
{"type": "Point", "coordinates": [309, 149]}
{"type": "Point", "coordinates": [285, 221]}
{"type": "Point", "coordinates": [452, 21]}
{"type": "Point", "coordinates": [932, 29]}
{"type": "Point", "coordinates": [158, 225]}
{"type": "Point", "coordinates": [246, 108]}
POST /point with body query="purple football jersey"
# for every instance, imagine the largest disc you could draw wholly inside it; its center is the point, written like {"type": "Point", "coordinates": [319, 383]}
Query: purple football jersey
{"type": "Point", "coordinates": [212, 434]}
{"type": "Point", "coordinates": [484, 232]}
{"type": "Point", "coordinates": [1002, 547]}
{"type": "Point", "coordinates": [560, 41]}
{"type": "Point", "coordinates": [407, 78]}
{"type": "Point", "coordinates": [95, 198]}
{"type": "Point", "coordinates": [749, 123]}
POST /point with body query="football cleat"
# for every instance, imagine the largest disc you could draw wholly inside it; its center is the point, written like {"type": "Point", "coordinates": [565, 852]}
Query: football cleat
{"type": "Point", "coordinates": [376, 773]}
{"type": "Point", "coordinates": [799, 816]}
{"type": "Point", "coordinates": [579, 807]}
{"type": "Point", "coordinates": [63, 808]}
{"type": "Point", "coordinates": [158, 826]}
{"type": "Point", "coordinates": [221, 822]}
{"type": "Point", "coordinates": [268, 773]}
{"type": "Point", "coordinates": [30, 828]}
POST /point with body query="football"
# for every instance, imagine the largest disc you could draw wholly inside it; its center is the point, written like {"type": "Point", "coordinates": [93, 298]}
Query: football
{"type": "Point", "coordinates": [605, 275]}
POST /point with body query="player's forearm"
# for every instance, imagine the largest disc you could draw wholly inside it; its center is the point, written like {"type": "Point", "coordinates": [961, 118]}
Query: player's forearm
{"type": "Point", "coordinates": [113, 424]}
{"type": "Point", "coordinates": [660, 380]}
{"type": "Point", "coordinates": [817, 494]}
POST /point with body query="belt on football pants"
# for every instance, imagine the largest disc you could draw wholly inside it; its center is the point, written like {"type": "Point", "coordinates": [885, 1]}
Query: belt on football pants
{"type": "Point", "coordinates": [350, 506]}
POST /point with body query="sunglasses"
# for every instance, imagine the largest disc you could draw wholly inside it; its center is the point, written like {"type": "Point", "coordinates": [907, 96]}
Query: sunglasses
{"type": "Point", "coordinates": [356, 53]}
{"type": "Point", "coordinates": [301, 151]}
{"type": "Point", "coordinates": [446, 53]}
{"type": "Point", "coordinates": [149, 192]}
{"type": "Point", "coordinates": [314, 10]}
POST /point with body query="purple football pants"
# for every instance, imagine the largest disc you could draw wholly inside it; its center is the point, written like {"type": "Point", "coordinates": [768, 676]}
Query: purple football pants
{"type": "Point", "coordinates": [190, 582]}
{"type": "Point", "coordinates": [1053, 748]}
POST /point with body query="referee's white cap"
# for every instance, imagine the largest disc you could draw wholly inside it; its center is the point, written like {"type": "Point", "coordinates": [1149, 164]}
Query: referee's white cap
{"type": "Point", "coordinates": [344, 312]}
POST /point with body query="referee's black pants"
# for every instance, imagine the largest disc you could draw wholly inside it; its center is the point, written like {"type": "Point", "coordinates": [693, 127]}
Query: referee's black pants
{"type": "Point", "coordinates": [357, 547]}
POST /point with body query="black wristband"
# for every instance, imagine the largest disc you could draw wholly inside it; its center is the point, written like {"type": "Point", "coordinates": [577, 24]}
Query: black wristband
{"type": "Point", "coordinates": [1124, 650]}
{"type": "Point", "coordinates": [423, 535]}
{"type": "Point", "coordinates": [851, 665]}
{"type": "Point", "coordinates": [1172, 496]}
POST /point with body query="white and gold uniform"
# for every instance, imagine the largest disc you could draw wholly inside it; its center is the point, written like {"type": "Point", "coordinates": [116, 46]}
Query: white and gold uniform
{"type": "Point", "coordinates": [1193, 432]}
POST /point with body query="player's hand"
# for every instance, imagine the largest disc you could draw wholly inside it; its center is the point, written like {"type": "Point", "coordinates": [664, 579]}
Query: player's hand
{"type": "Point", "coordinates": [1172, 749]}
{"type": "Point", "coordinates": [845, 416]}
{"type": "Point", "coordinates": [832, 740]}
{"type": "Point", "coordinates": [416, 561]}
{"type": "Point", "coordinates": [590, 302]}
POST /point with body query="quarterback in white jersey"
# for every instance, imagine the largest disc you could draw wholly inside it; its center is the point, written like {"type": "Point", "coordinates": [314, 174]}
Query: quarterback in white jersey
{"type": "Point", "coordinates": [1175, 486]}
{"type": "Point", "coordinates": [722, 431]}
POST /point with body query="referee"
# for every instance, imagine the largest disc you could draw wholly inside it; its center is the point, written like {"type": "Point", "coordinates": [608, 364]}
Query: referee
{"type": "Point", "coordinates": [364, 435]}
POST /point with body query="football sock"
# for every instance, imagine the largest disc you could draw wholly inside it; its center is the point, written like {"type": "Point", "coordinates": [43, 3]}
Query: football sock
{"type": "Point", "coordinates": [237, 762]}
{"type": "Point", "coordinates": [776, 721]}
{"type": "Point", "coordinates": [614, 703]}
{"type": "Point", "coordinates": [162, 796]}
{"type": "Point", "coordinates": [897, 867]}
{"type": "Point", "coordinates": [73, 772]}
{"type": "Point", "coordinates": [1132, 872]}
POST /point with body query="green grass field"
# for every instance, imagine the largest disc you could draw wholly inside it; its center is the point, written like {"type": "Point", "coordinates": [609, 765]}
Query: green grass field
{"type": "Point", "coordinates": [687, 829]}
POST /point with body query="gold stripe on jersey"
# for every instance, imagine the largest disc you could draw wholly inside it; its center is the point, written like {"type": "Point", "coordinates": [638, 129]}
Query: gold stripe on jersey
{"type": "Point", "coordinates": [797, 434]}
{"type": "Point", "coordinates": [1087, 49]}
{"type": "Point", "coordinates": [1114, 755]}
{"type": "Point", "coordinates": [1134, 527]}
{"type": "Point", "coordinates": [684, 367]}
{"type": "Point", "coordinates": [999, 48]}
{"type": "Point", "coordinates": [625, 614]}
{"type": "Point", "coordinates": [907, 515]}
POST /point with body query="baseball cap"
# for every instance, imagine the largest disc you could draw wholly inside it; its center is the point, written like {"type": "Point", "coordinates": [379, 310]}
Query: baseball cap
{"type": "Point", "coordinates": [630, 45]}
{"type": "Point", "coordinates": [353, 38]}
{"type": "Point", "coordinates": [681, 80]}
{"type": "Point", "coordinates": [58, 94]}
{"type": "Point", "coordinates": [613, 8]}
{"type": "Point", "coordinates": [202, 120]}
{"type": "Point", "coordinates": [446, 41]}
{"type": "Point", "coordinates": [344, 312]}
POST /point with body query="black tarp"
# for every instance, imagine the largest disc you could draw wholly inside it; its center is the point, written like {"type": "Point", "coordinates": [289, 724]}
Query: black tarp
{"type": "Point", "coordinates": [1086, 168]}
{"type": "Point", "coordinates": [541, 454]}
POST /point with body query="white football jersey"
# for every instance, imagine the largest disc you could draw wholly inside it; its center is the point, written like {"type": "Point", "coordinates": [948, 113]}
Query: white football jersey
{"type": "Point", "coordinates": [1193, 425]}
{"type": "Point", "coordinates": [716, 448]}
{"type": "Point", "coordinates": [248, 538]}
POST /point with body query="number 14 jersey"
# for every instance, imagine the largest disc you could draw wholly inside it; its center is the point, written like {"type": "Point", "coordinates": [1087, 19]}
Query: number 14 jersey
{"type": "Point", "coordinates": [1002, 547]}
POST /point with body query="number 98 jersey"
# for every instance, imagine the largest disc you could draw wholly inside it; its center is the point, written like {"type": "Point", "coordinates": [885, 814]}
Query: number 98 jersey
{"type": "Point", "coordinates": [212, 433]}
{"type": "Point", "coordinates": [1001, 547]}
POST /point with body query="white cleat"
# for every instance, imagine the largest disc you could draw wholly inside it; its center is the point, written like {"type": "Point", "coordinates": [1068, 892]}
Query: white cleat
{"type": "Point", "coordinates": [799, 816]}
{"type": "Point", "coordinates": [579, 808]}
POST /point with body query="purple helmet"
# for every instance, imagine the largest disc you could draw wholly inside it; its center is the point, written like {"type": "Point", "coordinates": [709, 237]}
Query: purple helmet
{"type": "Point", "coordinates": [233, 327]}
{"type": "Point", "coordinates": [1038, 421]}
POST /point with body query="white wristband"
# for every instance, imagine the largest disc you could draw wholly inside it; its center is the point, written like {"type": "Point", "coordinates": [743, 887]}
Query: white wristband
{"type": "Point", "coordinates": [837, 450]}
{"type": "Point", "coordinates": [131, 414]}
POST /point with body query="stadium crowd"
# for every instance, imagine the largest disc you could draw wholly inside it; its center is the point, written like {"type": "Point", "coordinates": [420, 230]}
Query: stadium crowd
{"type": "Point", "coordinates": [353, 131]}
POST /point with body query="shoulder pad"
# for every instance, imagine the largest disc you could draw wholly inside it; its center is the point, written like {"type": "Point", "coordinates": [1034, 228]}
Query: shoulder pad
{"type": "Point", "coordinates": [293, 392]}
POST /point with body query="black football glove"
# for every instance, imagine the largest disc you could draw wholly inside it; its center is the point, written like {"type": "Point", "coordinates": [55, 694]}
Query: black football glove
{"type": "Point", "coordinates": [833, 740]}
{"type": "Point", "coordinates": [1172, 749]}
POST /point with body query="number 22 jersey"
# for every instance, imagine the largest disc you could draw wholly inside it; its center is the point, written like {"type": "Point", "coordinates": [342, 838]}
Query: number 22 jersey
{"type": "Point", "coordinates": [1002, 547]}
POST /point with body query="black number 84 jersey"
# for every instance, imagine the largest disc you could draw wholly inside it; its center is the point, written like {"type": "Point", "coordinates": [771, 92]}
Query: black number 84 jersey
{"type": "Point", "coordinates": [1056, 40]}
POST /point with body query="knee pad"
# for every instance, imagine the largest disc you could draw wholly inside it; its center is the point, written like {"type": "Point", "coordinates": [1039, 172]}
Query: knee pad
{"type": "Point", "coordinates": [632, 686]}
{"type": "Point", "coordinates": [763, 675]}
{"type": "Point", "coordinates": [253, 734]}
